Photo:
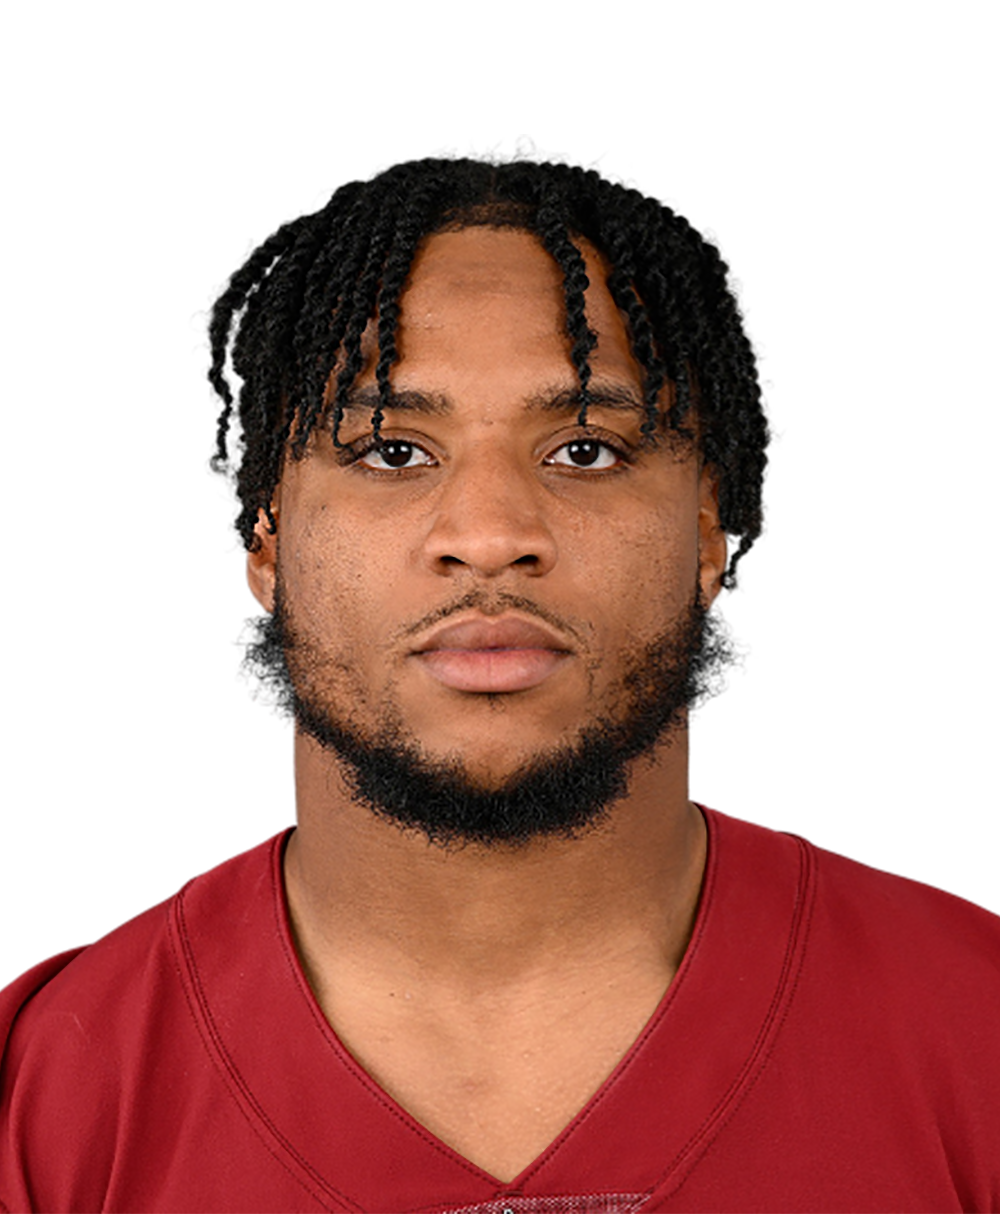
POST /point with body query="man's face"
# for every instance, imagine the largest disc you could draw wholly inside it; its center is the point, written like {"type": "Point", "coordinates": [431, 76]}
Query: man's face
{"type": "Point", "coordinates": [488, 586]}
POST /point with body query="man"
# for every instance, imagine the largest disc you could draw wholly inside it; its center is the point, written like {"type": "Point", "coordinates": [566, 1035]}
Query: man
{"type": "Point", "coordinates": [496, 424]}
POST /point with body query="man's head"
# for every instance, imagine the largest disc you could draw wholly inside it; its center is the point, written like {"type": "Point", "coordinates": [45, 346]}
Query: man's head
{"type": "Point", "coordinates": [496, 422]}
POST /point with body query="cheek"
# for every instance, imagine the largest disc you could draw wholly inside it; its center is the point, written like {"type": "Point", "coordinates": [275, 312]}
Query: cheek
{"type": "Point", "coordinates": [341, 577]}
{"type": "Point", "coordinates": [670, 537]}
{"type": "Point", "coordinates": [646, 565]}
{"type": "Point", "coordinates": [322, 569]}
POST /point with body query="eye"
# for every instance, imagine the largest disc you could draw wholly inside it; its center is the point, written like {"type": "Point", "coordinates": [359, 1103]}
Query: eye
{"type": "Point", "coordinates": [392, 448]}
{"type": "Point", "coordinates": [587, 449]}
{"type": "Point", "coordinates": [584, 448]}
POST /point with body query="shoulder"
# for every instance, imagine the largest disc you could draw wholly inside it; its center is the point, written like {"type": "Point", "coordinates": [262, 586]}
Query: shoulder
{"type": "Point", "coordinates": [95, 986]}
{"type": "Point", "coordinates": [904, 960]}
{"type": "Point", "coordinates": [69, 1027]}
{"type": "Point", "coordinates": [83, 990]}
{"type": "Point", "coordinates": [870, 910]}
{"type": "Point", "coordinates": [102, 994]}
{"type": "Point", "coordinates": [85, 1031]}
{"type": "Point", "coordinates": [78, 1030]}
{"type": "Point", "coordinates": [913, 973]}
{"type": "Point", "coordinates": [119, 975]}
{"type": "Point", "coordinates": [903, 926]}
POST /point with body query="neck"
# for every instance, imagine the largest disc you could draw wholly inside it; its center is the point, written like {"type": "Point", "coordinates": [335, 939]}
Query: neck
{"type": "Point", "coordinates": [369, 898]}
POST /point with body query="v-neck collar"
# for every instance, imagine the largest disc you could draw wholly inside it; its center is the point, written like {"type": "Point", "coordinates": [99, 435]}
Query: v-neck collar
{"type": "Point", "coordinates": [355, 1148]}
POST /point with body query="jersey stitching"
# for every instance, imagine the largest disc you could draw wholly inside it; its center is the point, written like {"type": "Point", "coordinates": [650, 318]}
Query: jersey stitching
{"type": "Point", "coordinates": [615, 1079]}
{"type": "Point", "coordinates": [771, 1029]}
{"type": "Point", "coordinates": [362, 1077]}
{"type": "Point", "coordinates": [233, 1079]}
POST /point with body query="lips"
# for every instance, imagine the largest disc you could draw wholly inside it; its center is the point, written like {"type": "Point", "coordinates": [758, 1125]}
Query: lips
{"type": "Point", "coordinates": [491, 671]}
{"type": "Point", "coordinates": [493, 632]}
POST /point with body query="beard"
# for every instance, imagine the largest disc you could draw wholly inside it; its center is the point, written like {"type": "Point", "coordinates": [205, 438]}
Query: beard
{"type": "Point", "coordinates": [562, 792]}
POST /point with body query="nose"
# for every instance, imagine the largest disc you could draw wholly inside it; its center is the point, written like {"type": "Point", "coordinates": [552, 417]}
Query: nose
{"type": "Point", "coordinates": [492, 511]}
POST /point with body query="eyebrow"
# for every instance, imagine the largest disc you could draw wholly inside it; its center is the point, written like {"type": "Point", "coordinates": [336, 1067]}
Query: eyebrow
{"type": "Point", "coordinates": [611, 396]}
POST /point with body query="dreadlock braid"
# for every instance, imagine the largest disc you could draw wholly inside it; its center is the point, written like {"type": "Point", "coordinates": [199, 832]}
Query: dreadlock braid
{"type": "Point", "coordinates": [551, 219]}
{"type": "Point", "coordinates": [362, 305]}
{"type": "Point", "coordinates": [293, 317]}
{"type": "Point", "coordinates": [326, 312]}
{"type": "Point", "coordinates": [410, 229]}
{"type": "Point", "coordinates": [660, 291]}
{"type": "Point", "coordinates": [620, 284]}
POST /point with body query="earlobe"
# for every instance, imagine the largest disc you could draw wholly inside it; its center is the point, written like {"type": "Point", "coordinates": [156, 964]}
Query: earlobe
{"type": "Point", "coordinates": [713, 552]}
{"type": "Point", "coordinates": [262, 559]}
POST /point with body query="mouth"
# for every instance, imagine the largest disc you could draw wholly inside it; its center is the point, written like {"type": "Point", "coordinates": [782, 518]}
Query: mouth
{"type": "Point", "coordinates": [491, 671]}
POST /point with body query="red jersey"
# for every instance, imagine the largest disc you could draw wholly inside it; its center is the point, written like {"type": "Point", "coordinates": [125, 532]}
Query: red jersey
{"type": "Point", "coordinates": [831, 1041]}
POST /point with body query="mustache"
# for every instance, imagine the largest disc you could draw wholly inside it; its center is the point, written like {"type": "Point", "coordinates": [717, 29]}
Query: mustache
{"type": "Point", "coordinates": [262, 668]}
{"type": "Point", "coordinates": [493, 604]}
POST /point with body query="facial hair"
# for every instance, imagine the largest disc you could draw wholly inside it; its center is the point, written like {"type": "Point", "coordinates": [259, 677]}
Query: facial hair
{"type": "Point", "coordinates": [562, 792]}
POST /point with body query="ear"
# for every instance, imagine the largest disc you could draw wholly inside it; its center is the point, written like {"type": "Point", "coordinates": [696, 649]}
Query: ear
{"type": "Point", "coordinates": [713, 554]}
{"type": "Point", "coordinates": [262, 559]}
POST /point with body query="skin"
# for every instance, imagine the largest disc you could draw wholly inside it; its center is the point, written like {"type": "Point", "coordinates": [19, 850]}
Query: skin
{"type": "Point", "coordinates": [491, 991]}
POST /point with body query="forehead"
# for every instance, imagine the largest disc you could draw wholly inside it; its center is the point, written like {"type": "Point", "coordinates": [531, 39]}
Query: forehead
{"type": "Point", "coordinates": [481, 266]}
{"type": "Point", "coordinates": [470, 261]}
{"type": "Point", "coordinates": [482, 293]}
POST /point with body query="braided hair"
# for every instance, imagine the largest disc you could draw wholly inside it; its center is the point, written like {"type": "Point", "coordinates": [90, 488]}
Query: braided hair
{"type": "Point", "coordinates": [301, 303]}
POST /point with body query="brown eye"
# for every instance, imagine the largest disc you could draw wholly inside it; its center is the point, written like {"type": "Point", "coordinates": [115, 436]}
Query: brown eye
{"type": "Point", "coordinates": [396, 454]}
{"type": "Point", "coordinates": [585, 453]}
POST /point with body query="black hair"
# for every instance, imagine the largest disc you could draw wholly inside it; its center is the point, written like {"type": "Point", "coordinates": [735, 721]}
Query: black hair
{"type": "Point", "coordinates": [301, 302]}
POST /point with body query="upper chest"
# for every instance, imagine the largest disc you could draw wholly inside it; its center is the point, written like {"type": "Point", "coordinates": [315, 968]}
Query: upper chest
{"type": "Point", "coordinates": [498, 1090]}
